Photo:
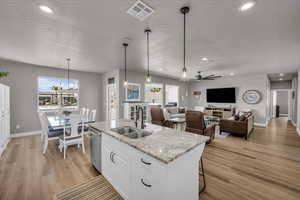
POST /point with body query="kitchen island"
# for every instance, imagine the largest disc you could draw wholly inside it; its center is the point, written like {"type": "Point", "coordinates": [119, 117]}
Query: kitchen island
{"type": "Point", "coordinates": [162, 165]}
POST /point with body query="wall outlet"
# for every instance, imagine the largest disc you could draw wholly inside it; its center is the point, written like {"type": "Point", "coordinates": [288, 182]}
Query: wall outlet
{"type": "Point", "coordinates": [18, 126]}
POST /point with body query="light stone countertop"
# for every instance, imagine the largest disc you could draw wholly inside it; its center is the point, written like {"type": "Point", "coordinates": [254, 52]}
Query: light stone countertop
{"type": "Point", "coordinates": [164, 144]}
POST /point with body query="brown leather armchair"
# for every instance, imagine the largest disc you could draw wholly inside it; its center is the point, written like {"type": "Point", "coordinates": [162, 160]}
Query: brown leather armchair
{"type": "Point", "coordinates": [157, 117]}
{"type": "Point", "coordinates": [195, 124]}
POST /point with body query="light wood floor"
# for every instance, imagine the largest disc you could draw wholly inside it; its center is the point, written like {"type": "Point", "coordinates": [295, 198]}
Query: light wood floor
{"type": "Point", "coordinates": [267, 166]}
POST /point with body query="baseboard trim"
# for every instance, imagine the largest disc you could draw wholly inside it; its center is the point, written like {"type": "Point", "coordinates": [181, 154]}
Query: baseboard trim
{"type": "Point", "coordinates": [23, 134]}
{"type": "Point", "coordinates": [260, 124]}
{"type": "Point", "coordinates": [283, 115]}
{"type": "Point", "coordinates": [4, 147]}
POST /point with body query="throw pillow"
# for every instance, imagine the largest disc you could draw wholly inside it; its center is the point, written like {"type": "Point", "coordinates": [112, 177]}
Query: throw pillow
{"type": "Point", "coordinates": [242, 118]}
{"type": "Point", "coordinates": [236, 117]}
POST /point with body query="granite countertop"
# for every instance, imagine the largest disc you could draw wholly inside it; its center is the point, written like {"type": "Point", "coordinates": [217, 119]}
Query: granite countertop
{"type": "Point", "coordinates": [164, 144]}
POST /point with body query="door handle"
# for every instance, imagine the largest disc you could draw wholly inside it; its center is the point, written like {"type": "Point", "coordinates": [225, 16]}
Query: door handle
{"type": "Point", "coordinates": [145, 184]}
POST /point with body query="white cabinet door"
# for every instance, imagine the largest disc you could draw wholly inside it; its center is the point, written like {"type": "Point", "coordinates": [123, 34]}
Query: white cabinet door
{"type": "Point", "coordinates": [115, 165]}
{"type": "Point", "coordinates": [107, 165]}
{"type": "Point", "coordinates": [122, 173]}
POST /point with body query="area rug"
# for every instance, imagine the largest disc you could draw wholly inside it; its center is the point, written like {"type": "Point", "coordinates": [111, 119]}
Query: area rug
{"type": "Point", "coordinates": [96, 188]}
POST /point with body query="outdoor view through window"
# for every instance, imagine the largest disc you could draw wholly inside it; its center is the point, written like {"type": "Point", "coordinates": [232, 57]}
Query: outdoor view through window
{"type": "Point", "coordinates": [154, 93]}
{"type": "Point", "coordinates": [54, 93]}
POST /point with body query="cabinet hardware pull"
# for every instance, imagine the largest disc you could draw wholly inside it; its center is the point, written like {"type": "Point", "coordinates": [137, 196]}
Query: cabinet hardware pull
{"type": "Point", "coordinates": [112, 157]}
{"type": "Point", "coordinates": [145, 184]}
{"type": "Point", "coordinates": [146, 163]}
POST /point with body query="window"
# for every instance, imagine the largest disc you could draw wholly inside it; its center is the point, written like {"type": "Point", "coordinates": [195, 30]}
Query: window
{"type": "Point", "coordinates": [154, 93]}
{"type": "Point", "coordinates": [172, 94]}
{"type": "Point", "coordinates": [53, 93]}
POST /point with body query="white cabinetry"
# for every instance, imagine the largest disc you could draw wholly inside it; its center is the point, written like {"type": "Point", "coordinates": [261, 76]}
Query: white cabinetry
{"type": "Point", "coordinates": [136, 175]}
{"type": "Point", "coordinates": [115, 165]}
{"type": "Point", "coordinates": [4, 117]}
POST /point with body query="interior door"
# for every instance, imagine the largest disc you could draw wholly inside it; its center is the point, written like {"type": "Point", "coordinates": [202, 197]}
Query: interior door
{"type": "Point", "coordinates": [111, 102]}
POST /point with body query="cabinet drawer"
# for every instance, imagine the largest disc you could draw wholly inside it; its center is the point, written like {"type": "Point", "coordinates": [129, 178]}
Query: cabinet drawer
{"type": "Point", "coordinates": [147, 164]}
{"type": "Point", "coordinates": [147, 186]}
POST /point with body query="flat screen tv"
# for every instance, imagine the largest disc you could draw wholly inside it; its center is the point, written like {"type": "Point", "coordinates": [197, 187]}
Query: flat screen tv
{"type": "Point", "coordinates": [220, 95]}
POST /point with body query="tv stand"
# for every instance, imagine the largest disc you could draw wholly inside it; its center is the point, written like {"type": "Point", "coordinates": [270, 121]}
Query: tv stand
{"type": "Point", "coordinates": [220, 112]}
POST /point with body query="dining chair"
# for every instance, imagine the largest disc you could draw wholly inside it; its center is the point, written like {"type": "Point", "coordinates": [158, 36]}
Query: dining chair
{"type": "Point", "coordinates": [47, 133]}
{"type": "Point", "coordinates": [86, 116]}
{"type": "Point", "coordinates": [71, 134]}
{"type": "Point", "coordinates": [82, 112]}
{"type": "Point", "coordinates": [92, 117]}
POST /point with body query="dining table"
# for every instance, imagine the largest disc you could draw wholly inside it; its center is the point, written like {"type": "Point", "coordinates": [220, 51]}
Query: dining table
{"type": "Point", "coordinates": [59, 121]}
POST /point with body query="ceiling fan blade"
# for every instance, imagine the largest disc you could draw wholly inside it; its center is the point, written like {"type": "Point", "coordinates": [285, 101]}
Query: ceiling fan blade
{"type": "Point", "coordinates": [211, 75]}
{"type": "Point", "coordinates": [208, 78]}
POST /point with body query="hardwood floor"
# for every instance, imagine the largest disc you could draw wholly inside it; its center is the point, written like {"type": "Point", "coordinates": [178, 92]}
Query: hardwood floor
{"type": "Point", "coordinates": [267, 166]}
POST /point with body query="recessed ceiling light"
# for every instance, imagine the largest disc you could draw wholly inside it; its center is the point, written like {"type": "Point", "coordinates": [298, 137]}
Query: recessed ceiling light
{"type": "Point", "coordinates": [161, 69]}
{"type": "Point", "coordinates": [46, 9]}
{"type": "Point", "coordinates": [247, 5]}
{"type": "Point", "coordinates": [204, 59]}
{"type": "Point", "coordinates": [231, 73]}
{"type": "Point", "coordinates": [281, 74]}
{"type": "Point", "coordinates": [280, 79]}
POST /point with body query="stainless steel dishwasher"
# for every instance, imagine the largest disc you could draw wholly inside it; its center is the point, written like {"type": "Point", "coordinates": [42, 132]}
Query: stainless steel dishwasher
{"type": "Point", "coordinates": [95, 143]}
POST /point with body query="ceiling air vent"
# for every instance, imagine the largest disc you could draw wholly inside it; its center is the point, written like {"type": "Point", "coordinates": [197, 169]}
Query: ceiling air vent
{"type": "Point", "coordinates": [140, 10]}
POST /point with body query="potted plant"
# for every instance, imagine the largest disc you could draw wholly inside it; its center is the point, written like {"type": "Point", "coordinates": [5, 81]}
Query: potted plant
{"type": "Point", "coordinates": [154, 91]}
{"type": "Point", "coordinates": [3, 74]}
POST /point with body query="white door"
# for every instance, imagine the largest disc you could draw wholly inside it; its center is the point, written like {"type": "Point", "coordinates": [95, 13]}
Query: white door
{"type": "Point", "coordinates": [111, 102]}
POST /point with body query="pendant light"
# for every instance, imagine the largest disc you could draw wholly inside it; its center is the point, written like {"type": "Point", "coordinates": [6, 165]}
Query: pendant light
{"type": "Point", "coordinates": [68, 71]}
{"type": "Point", "coordinates": [184, 11]}
{"type": "Point", "coordinates": [125, 64]}
{"type": "Point", "coordinates": [148, 77]}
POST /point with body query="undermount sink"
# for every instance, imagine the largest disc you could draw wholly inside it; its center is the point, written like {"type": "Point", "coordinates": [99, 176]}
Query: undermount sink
{"type": "Point", "coordinates": [131, 132]}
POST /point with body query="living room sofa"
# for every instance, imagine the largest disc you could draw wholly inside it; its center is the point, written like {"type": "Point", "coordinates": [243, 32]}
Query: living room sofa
{"type": "Point", "coordinates": [242, 124]}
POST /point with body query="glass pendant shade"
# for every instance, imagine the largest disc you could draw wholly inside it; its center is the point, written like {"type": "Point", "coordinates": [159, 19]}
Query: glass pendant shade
{"type": "Point", "coordinates": [148, 79]}
{"type": "Point", "coordinates": [125, 84]}
{"type": "Point", "coordinates": [184, 73]}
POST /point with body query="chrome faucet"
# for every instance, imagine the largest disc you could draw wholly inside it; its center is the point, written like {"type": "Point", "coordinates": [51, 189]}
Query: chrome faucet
{"type": "Point", "coordinates": [138, 108]}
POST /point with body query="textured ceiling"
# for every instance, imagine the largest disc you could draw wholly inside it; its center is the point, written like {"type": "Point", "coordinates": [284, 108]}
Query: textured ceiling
{"type": "Point", "coordinates": [264, 40]}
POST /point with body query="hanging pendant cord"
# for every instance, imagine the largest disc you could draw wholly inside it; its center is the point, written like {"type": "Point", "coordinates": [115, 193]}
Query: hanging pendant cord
{"type": "Point", "coordinates": [148, 51]}
{"type": "Point", "coordinates": [125, 46]}
{"type": "Point", "coordinates": [184, 41]}
{"type": "Point", "coordinates": [68, 60]}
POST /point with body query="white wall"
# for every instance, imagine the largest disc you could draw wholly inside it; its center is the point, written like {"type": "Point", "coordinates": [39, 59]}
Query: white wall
{"type": "Point", "coordinates": [241, 83]}
{"type": "Point", "coordinates": [294, 100]}
{"type": "Point", "coordinates": [281, 85]}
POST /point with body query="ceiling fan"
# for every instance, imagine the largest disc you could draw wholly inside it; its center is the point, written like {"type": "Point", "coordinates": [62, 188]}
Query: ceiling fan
{"type": "Point", "coordinates": [200, 77]}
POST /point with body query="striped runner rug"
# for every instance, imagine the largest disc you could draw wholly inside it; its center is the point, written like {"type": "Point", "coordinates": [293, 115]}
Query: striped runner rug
{"type": "Point", "coordinates": [96, 188]}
